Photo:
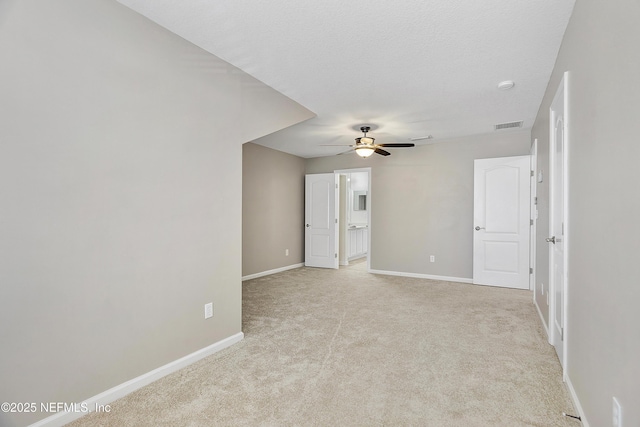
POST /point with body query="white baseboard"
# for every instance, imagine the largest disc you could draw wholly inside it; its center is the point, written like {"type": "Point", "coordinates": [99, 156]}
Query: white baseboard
{"type": "Point", "coordinates": [422, 276]}
{"type": "Point", "coordinates": [106, 397]}
{"type": "Point", "coordinates": [544, 324]}
{"type": "Point", "coordinates": [576, 402]}
{"type": "Point", "coordinates": [274, 271]}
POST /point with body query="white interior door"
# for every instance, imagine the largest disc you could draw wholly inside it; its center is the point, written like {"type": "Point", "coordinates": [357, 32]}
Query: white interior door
{"type": "Point", "coordinates": [501, 222]}
{"type": "Point", "coordinates": [533, 214]}
{"type": "Point", "coordinates": [321, 218]}
{"type": "Point", "coordinates": [557, 220]}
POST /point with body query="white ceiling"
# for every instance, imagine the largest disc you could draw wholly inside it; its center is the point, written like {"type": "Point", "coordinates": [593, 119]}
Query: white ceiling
{"type": "Point", "coordinates": [410, 68]}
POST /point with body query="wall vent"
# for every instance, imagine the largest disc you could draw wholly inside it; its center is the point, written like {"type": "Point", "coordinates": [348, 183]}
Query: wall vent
{"type": "Point", "coordinates": [509, 125]}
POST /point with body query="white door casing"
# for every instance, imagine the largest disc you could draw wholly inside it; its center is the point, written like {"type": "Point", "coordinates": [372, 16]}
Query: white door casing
{"type": "Point", "coordinates": [343, 231]}
{"type": "Point", "coordinates": [321, 217]}
{"type": "Point", "coordinates": [501, 222]}
{"type": "Point", "coordinates": [558, 226]}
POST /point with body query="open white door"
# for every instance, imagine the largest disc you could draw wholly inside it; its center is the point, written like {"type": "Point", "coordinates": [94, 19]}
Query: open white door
{"type": "Point", "coordinates": [533, 214]}
{"type": "Point", "coordinates": [321, 220]}
{"type": "Point", "coordinates": [501, 222]}
{"type": "Point", "coordinates": [557, 220]}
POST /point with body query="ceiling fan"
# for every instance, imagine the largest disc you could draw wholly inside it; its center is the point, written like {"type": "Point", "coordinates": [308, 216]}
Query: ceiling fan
{"type": "Point", "coordinates": [366, 145]}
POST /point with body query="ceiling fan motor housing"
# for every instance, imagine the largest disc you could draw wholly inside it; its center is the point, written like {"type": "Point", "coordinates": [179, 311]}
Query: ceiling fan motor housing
{"type": "Point", "coordinates": [365, 140]}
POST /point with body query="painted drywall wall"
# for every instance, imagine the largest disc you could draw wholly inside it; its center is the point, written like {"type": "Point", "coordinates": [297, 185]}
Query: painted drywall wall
{"type": "Point", "coordinates": [422, 201]}
{"type": "Point", "coordinates": [120, 214]}
{"type": "Point", "coordinates": [272, 209]}
{"type": "Point", "coordinates": [600, 52]}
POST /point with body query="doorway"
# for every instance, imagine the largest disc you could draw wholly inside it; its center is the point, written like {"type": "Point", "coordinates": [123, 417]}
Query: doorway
{"type": "Point", "coordinates": [338, 218]}
{"type": "Point", "coordinates": [355, 215]}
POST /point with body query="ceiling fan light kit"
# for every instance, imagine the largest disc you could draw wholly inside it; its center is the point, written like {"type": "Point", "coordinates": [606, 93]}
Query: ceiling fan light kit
{"type": "Point", "coordinates": [364, 151]}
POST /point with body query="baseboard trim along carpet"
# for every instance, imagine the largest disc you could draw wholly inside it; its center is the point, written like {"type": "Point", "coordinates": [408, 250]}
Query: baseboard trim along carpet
{"type": "Point", "coordinates": [544, 324]}
{"type": "Point", "coordinates": [576, 402]}
{"type": "Point", "coordinates": [115, 393]}
{"type": "Point", "coordinates": [422, 276]}
{"type": "Point", "coordinates": [274, 271]}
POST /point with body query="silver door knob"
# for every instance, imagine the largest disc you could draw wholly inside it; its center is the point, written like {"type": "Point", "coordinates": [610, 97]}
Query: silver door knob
{"type": "Point", "coordinates": [478, 228]}
{"type": "Point", "coordinates": [307, 225]}
{"type": "Point", "coordinates": [551, 239]}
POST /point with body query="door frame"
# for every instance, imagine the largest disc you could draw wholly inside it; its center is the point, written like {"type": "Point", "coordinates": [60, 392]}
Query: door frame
{"type": "Point", "coordinates": [343, 253]}
{"type": "Point", "coordinates": [564, 87]}
{"type": "Point", "coordinates": [369, 208]}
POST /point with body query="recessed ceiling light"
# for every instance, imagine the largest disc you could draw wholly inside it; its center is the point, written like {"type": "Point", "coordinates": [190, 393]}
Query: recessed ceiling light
{"type": "Point", "coordinates": [506, 85]}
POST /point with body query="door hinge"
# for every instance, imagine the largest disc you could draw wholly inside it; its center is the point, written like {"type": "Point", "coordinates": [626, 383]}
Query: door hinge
{"type": "Point", "coordinates": [530, 222]}
{"type": "Point", "coordinates": [336, 256]}
{"type": "Point", "coordinates": [336, 185]}
{"type": "Point", "coordinates": [531, 173]}
{"type": "Point", "coordinates": [530, 270]}
{"type": "Point", "coordinates": [336, 220]}
{"type": "Point", "coordinates": [535, 200]}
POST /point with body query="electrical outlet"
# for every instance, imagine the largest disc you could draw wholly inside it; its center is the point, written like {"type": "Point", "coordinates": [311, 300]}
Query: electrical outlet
{"type": "Point", "coordinates": [208, 310]}
{"type": "Point", "coordinates": [617, 413]}
{"type": "Point", "coordinates": [286, 252]}
{"type": "Point", "coordinates": [432, 258]}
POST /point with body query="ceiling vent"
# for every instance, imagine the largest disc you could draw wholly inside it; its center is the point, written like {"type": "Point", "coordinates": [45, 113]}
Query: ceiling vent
{"type": "Point", "coordinates": [509, 125]}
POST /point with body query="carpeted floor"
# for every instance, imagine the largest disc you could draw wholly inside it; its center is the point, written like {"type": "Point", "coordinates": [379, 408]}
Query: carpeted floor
{"type": "Point", "coordinates": [348, 348]}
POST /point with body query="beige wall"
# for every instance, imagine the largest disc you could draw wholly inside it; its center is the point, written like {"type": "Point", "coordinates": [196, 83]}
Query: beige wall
{"type": "Point", "coordinates": [600, 51]}
{"type": "Point", "coordinates": [272, 209]}
{"type": "Point", "coordinates": [422, 201]}
{"type": "Point", "coordinates": [120, 214]}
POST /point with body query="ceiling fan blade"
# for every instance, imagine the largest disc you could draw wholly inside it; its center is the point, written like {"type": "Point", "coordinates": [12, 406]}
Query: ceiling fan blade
{"type": "Point", "coordinates": [336, 145]}
{"type": "Point", "coordinates": [397, 145]}
{"type": "Point", "coordinates": [382, 152]}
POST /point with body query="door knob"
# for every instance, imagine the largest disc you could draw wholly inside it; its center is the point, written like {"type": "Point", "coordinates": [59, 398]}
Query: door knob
{"type": "Point", "coordinates": [478, 228]}
{"type": "Point", "coordinates": [307, 225]}
{"type": "Point", "coordinates": [551, 239]}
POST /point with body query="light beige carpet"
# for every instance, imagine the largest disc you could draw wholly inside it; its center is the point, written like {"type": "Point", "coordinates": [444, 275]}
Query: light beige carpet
{"type": "Point", "coordinates": [348, 348]}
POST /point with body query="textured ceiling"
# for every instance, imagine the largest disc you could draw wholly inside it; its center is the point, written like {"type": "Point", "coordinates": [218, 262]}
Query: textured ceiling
{"type": "Point", "coordinates": [410, 69]}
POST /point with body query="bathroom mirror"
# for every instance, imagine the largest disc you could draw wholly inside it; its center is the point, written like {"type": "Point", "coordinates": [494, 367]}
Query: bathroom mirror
{"type": "Point", "coordinates": [359, 200]}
